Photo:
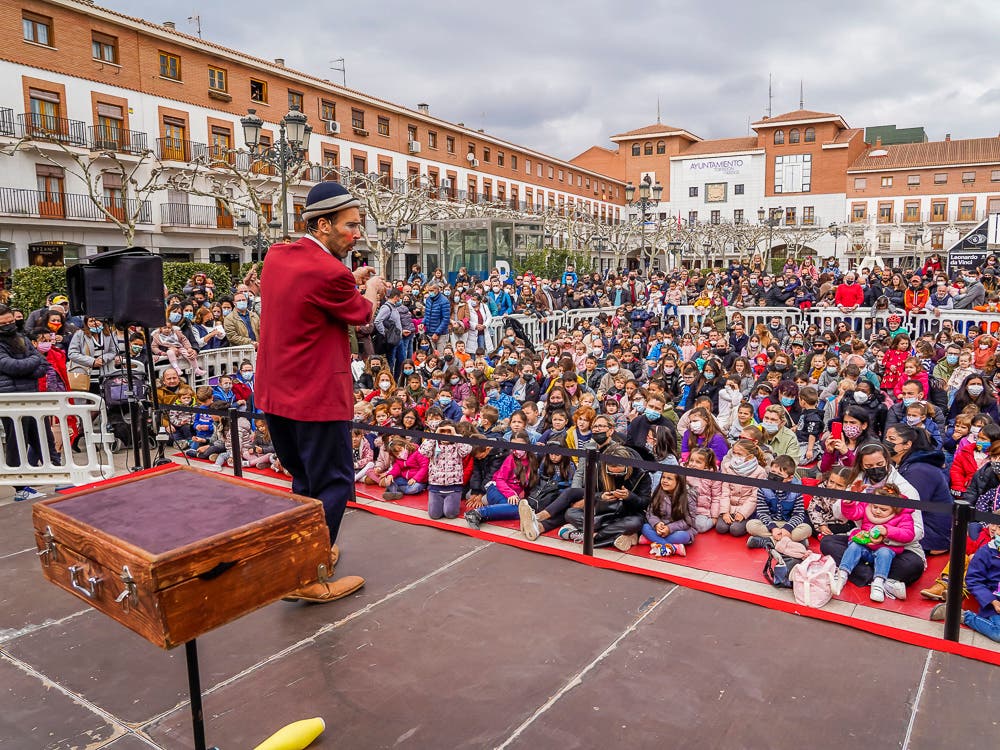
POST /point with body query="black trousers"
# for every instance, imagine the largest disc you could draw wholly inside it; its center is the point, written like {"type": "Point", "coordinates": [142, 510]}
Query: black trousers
{"type": "Point", "coordinates": [321, 461]}
{"type": "Point", "coordinates": [12, 456]}
{"type": "Point", "coordinates": [607, 526]}
{"type": "Point", "coordinates": [907, 566]}
{"type": "Point", "coordinates": [557, 508]}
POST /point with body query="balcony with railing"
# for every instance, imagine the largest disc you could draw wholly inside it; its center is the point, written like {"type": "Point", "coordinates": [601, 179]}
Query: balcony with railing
{"type": "Point", "coordinates": [49, 128]}
{"type": "Point", "coordinates": [37, 204]}
{"type": "Point", "coordinates": [194, 217]}
{"type": "Point", "coordinates": [7, 122]}
{"type": "Point", "coordinates": [106, 138]}
{"type": "Point", "coordinates": [175, 149]}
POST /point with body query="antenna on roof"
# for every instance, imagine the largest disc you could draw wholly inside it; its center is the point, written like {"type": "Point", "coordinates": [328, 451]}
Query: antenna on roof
{"type": "Point", "coordinates": [658, 110]}
{"type": "Point", "coordinates": [802, 101]}
{"type": "Point", "coordinates": [770, 97]}
{"type": "Point", "coordinates": [196, 20]}
{"type": "Point", "coordinates": [342, 68]}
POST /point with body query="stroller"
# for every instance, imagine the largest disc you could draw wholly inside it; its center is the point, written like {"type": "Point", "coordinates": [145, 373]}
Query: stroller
{"type": "Point", "coordinates": [114, 391]}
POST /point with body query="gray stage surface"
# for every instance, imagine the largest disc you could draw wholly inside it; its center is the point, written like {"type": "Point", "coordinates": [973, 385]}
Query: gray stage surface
{"type": "Point", "coordinates": [460, 643]}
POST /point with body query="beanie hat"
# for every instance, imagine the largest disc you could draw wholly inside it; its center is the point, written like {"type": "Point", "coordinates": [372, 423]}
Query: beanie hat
{"type": "Point", "coordinates": [327, 197]}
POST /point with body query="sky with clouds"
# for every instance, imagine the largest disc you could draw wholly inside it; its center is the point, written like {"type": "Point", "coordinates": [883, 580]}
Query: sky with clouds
{"type": "Point", "coordinates": [562, 76]}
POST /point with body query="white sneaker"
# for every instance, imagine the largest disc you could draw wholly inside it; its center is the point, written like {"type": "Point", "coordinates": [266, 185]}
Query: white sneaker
{"type": "Point", "coordinates": [839, 581]}
{"type": "Point", "coordinates": [877, 594]}
{"type": "Point", "coordinates": [895, 589]}
{"type": "Point", "coordinates": [625, 542]}
{"type": "Point", "coordinates": [529, 522]}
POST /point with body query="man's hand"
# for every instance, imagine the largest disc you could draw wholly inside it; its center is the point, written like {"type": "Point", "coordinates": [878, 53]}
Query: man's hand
{"type": "Point", "coordinates": [361, 274]}
{"type": "Point", "coordinates": [375, 286]}
{"type": "Point", "coordinates": [252, 280]}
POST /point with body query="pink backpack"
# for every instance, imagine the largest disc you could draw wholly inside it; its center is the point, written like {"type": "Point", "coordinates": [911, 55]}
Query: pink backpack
{"type": "Point", "coordinates": [812, 580]}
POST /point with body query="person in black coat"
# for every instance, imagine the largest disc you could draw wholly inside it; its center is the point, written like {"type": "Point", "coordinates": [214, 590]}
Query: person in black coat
{"type": "Point", "coordinates": [21, 365]}
{"type": "Point", "coordinates": [923, 467]}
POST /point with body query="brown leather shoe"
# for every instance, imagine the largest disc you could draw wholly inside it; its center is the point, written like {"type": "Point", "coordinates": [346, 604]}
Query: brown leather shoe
{"type": "Point", "coordinates": [938, 592]}
{"type": "Point", "coordinates": [331, 591]}
{"type": "Point", "coordinates": [334, 557]}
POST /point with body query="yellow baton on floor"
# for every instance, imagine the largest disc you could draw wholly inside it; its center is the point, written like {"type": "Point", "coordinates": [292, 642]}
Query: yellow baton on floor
{"type": "Point", "coordinates": [296, 736]}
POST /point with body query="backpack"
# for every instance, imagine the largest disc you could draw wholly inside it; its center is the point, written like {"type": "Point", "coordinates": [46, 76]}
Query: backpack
{"type": "Point", "coordinates": [544, 494]}
{"type": "Point", "coordinates": [812, 580]}
{"type": "Point", "coordinates": [393, 335]}
{"type": "Point", "coordinates": [777, 569]}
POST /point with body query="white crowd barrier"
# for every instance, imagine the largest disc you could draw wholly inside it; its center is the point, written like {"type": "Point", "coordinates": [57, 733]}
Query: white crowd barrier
{"type": "Point", "coordinates": [19, 410]}
{"type": "Point", "coordinates": [215, 362]}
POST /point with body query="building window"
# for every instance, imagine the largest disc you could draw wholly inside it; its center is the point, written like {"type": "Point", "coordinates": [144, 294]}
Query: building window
{"type": "Point", "coordinates": [170, 66]}
{"type": "Point", "coordinates": [738, 189]}
{"type": "Point", "coordinates": [411, 133]}
{"type": "Point", "coordinates": [859, 211]}
{"type": "Point", "coordinates": [911, 211]}
{"type": "Point", "coordinates": [810, 135]}
{"type": "Point", "coordinates": [37, 29]}
{"type": "Point", "coordinates": [968, 177]}
{"type": "Point", "coordinates": [884, 213]}
{"type": "Point", "coordinates": [995, 175]}
{"type": "Point", "coordinates": [661, 147]}
{"type": "Point", "coordinates": [790, 216]}
{"type": "Point", "coordinates": [793, 174]}
{"type": "Point", "coordinates": [46, 111]}
{"type": "Point", "coordinates": [913, 180]}
{"type": "Point", "coordinates": [693, 192]}
{"type": "Point", "coordinates": [513, 161]}
{"type": "Point", "coordinates": [738, 216]}
{"type": "Point", "coordinates": [358, 119]}
{"type": "Point", "coordinates": [941, 178]}
{"type": "Point", "coordinates": [221, 144]}
{"type": "Point", "coordinates": [779, 137]}
{"type": "Point", "coordinates": [109, 133]}
{"type": "Point", "coordinates": [104, 48]}
{"type": "Point", "coordinates": [383, 125]}
{"type": "Point", "coordinates": [562, 177]}
{"type": "Point", "coordinates": [937, 240]}
{"type": "Point", "coordinates": [500, 158]}
{"type": "Point", "coordinates": [967, 209]}
{"type": "Point", "coordinates": [450, 144]}
{"type": "Point", "coordinates": [636, 149]}
{"type": "Point", "coordinates": [715, 217]}
{"type": "Point", "coordinates": [793, 135]}
{"type": "Point", "coordinates": [432, 139]}
{"type": "Point", "coordinates": [939, 210]}
{"type": "Point", "coordinates": [327, 110]}
{"type": "Point", "coordinates": [647, 149]}
{"type": "Point", "coordinates": [808, 216]}
{"type": "Point", "coordinates": [884, 239]}
{"type": "Point", "coordinates": [359, 164]}
{"type": "Point", "coordinates": [217, 79]}
{"type": "Point", "coordinates": [886, 182]}
{"type": "Point", "coordinates": [258, 91]}
{"type": "Point", "coordinates": [860, 183]}
{"type": "Point", "coordinates": [552, 173]}
{"type": "Point", "coordinates": [295, 99]}
{"type": "Point", "coordinates": [692, 217]}
{"type": "Point", "coordinates": [486, 155]}
{"type": "Point", "coordinates": [385, 173]}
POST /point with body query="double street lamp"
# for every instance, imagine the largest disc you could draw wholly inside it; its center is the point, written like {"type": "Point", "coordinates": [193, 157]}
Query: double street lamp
{"type": "Point", "coordinates": [393, 239]}
{"type": "Point", "coordinates": [772, 218]}
{"type": "Point", "coordinates": [649, 198]}
{"type": "Point", "coordinates": [290, 151]}
{"type": "Point", "coordinates": [257, 242]}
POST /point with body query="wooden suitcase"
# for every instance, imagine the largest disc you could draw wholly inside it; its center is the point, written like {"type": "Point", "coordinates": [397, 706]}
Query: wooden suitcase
{"type": "Point", "coordinates": [174, 554]}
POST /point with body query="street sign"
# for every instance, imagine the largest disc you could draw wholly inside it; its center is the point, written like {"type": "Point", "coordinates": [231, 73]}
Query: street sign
{"type": "Point", "coordinates": [970, 251]}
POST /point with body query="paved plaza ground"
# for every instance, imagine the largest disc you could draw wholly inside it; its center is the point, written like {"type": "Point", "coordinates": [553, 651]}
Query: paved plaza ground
{"type": "Point", "coordinates": [457, 642]}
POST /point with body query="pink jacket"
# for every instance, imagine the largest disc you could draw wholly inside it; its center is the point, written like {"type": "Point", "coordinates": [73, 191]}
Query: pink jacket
{"type": "Point", "coordinates": [445, 467]}
{"type": "Point", "coordinates": [709, 495]}
{"type": "Point", "coordinates": [921, 376]}
{"type": "Point", "coordinates": [506, 478]}
{"type": "Point", "coordinates": [898, 529]}
{"type": "Point", "coordinates": [414, 467]}
{"type": "Point", "coordinates": [739, 498]}
{"type": "Point", "coordinates": [363, 455]}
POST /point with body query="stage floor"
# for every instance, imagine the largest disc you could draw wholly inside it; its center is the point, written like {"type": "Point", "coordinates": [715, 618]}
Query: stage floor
{"type": "Point", "coordinates": [460, 642]}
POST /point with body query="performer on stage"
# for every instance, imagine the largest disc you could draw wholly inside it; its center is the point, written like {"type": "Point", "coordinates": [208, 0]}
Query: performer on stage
{"type": "Point", "coordinates": [309, 297]}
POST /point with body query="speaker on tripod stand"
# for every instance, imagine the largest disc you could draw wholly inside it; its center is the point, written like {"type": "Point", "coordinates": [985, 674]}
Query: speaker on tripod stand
{"type": "Point", "coordinates": [125, 287]}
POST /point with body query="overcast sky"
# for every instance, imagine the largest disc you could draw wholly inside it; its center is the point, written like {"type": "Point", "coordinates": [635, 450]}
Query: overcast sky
{"type": "Point", "coordinates": [562, 76]}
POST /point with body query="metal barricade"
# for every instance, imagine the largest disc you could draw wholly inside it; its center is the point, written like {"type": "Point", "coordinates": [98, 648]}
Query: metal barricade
{"type": "Point", "coordinates": [225, 361]}
{"type": "Point", "coordinates": [28, 420]}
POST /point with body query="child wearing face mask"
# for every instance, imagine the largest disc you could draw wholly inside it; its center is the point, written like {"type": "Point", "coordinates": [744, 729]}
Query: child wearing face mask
{"type": "Point", "coordinates": [921, 414]}
{"type": "Point", "coordinates": [407, 474]}
{"type": "Point", "coordinates": [885, 531]}
{"type": "Point", "coordinates": [445, 473]}
{"type": "Point", "coordinates": [516, 477]}
{"type": "Point", "coordinates": [823, 515]}
{"type": "Point", "coordinates": [708, 492]}
{"type": "Point", "coordinates": [964, 369]}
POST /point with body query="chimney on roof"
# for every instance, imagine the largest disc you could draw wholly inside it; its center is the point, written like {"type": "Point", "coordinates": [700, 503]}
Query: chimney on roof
{"type": "Point", "coordinates": [481, 130]}
{"type": "Point", "coordinates": [279, 61]}
{"type": "Point", "coordinates": [460, 124]}
{"type": "Point", "coordinates": [947, 136]}
{"type": "Point", "coordinates": [425, 108]}
{"type": "Point", "coordinates": [878, 142]}
{"type": "Point", "coordinates": [170, 24]}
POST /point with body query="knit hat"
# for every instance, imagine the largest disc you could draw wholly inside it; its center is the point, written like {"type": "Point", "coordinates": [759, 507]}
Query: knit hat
{"type": "Point", "coordinates": [327, 197]}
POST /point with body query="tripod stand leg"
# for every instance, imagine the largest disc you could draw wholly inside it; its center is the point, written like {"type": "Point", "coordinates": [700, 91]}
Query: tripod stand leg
{"type": "Point", "coordinates": [194, 687]}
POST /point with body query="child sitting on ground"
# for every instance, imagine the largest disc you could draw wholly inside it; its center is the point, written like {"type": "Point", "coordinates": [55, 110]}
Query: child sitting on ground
{"type": "Point", "coordinates": [983, 581]}
{"type": "Point", "coordinates": [885, 530]}
{"type": "Point", "coordinates": [203, 424]}
{"type": "Point", "coordinates": [261, 451]}
{"type": "Point", "coordinates": [670, 517]}
{"type": "Point", "coordinates": [445, 473]}
{"type": "Point", "coordinates": [707, 491]}
{"type": "Point", "coordinates": [779, 513]}
{"type": "Point", "coordinates": [364, 455]}
{"type": "Point", "coordinates": [408, 473]}
{"type": "Point", "coordinates": [822, 514]}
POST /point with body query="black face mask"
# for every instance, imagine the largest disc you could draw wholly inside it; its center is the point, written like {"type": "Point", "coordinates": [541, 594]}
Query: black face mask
{"type": "Point", "coordinates": [774, 477]}
{"type": "Point", "coordinates": [599, 436]}
{"type": "Point", "coordinates": [878, 474]}
{"type": "Point", "coordinates": [8, 329]}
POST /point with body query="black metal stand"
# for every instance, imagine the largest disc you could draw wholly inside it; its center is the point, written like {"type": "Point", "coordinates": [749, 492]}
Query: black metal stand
{"type": "Point", "coordinates": [194, 687]}
{"type": "Point", "coordinates": [589, 502]}
{"type": "Point", "coordinates": [961, 515]}
{"type": "Point", "coordinates": [136, 415]}
{"type": "Point", "coordinates": [235, 447]}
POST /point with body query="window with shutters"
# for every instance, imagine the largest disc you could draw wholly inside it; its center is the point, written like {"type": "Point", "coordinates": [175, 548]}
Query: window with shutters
{"type": "Point", "coordinates": [37, 29]}
{"type": "Point", "coordinates": [109, 133]}
{"type": "Point", "coordinates": [170, 66]}
{"type": "Point", "coordinates": [104, 48]}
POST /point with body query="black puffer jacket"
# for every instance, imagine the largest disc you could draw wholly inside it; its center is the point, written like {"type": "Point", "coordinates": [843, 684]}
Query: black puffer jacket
{"type": "Point", "coordinates": [21, 365]}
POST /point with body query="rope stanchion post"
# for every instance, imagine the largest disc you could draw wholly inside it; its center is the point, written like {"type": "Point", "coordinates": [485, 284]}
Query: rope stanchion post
{"type": "Point", "coordinates": [590, 501]}
{"type": "Point", "coordinates": [961, 516]}
{"type": "Point", "coordinates": [235, 449]}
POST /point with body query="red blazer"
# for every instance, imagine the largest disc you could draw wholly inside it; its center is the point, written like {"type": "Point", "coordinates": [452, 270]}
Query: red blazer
{"type": "Point", "coordinates": [849, 295]}
{"type": "Point", "coordinates": [308, 300]}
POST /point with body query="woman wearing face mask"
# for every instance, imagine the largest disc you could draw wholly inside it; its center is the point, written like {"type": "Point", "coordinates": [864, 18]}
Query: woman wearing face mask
{"type": "Point", "coordinates": [208, 333]}
{"type": "Point", "coordinates": [973, 390]}
{"type": "Point", "coordinates": [703, 432]}
{"type": "Point", "coordinates": [186, 324]}
{"type": "Point", "coordinates": [168, 341]}
{"type": "Point", "coordinates": [923, 467]}
{"type": "Point", "coordinates": [872, 471]}
{"type": "Point", "coordinates": [777, 436]}
{"type": "Point", "coordinates": [970, 457]}
{"type": "Point", "coordinates": [385, 387]}
{"type": "Point", "coordinates": [92, 354]}
{"type": "Point", "coordinates": [865, 397]}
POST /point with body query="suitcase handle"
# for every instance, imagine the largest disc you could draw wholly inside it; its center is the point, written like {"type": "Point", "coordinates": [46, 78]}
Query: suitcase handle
{"type": "Point", "coordinates": [74, 582]}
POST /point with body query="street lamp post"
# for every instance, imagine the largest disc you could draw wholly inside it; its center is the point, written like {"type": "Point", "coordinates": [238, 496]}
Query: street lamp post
{"type": "Point", "coordinates": [835, 231]}
{"type": "Point", "coordinates": [771, 217]}
{"type": "Point", "coordinates": [291, 150]}
{"type": "Point", "coordinates": [649, 197]}
{"type": "Point", "coordinates": [392, 239]}
{"type": "Point", "coordinates": [257, 242]}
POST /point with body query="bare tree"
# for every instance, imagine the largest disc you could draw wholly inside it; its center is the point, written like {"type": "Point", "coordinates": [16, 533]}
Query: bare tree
{"type": "Point", "coordinates": [619, 238]}
{"type": "Point", "coordinates": [795, 238]}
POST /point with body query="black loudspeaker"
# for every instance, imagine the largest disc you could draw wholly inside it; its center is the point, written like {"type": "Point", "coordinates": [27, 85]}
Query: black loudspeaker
{"type": "Point", "coordinates": [124, 286]}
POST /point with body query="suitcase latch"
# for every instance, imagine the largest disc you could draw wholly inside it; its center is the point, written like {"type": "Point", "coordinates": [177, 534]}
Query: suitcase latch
{"type": "Point", "coordinates": [49, 553]}
{"type": "Point", "coordinates": [130, 595]}
{"type": "Point", "coordinates": [93, 582]}
{"type": "Point", "coordinates": [323, 573]}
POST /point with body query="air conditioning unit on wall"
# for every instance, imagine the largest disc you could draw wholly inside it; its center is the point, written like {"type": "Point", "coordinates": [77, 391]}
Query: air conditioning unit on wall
{"type": "Point", "coordinates": [474, 163]}
{"type": "Point", "coordinates": [332, 127]}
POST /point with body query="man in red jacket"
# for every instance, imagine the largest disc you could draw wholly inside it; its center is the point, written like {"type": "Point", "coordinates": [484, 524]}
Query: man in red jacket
{"type": "Point", "coordinates": [849, 295]}
{"type": "Point", "coordinates": [304, 386]}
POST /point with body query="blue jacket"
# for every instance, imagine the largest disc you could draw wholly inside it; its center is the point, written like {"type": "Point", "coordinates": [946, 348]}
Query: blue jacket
{"type": "Point", "coordinates": [788, 508]}
{"type": "Point", "coordinates": [925, 471]}
{"type": "Point", "coordinates": [220, 395]}
{"type": "Point", "coordinates": [504, 404]}
{"type": "Point", "coordinates": [437, 314]}
{"type": "Point", "coordinates": [453, 411]}
{"type": "Point", "coordinates": [982, 578]}
{"type": "Point", "coordinates": [500, 303]}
